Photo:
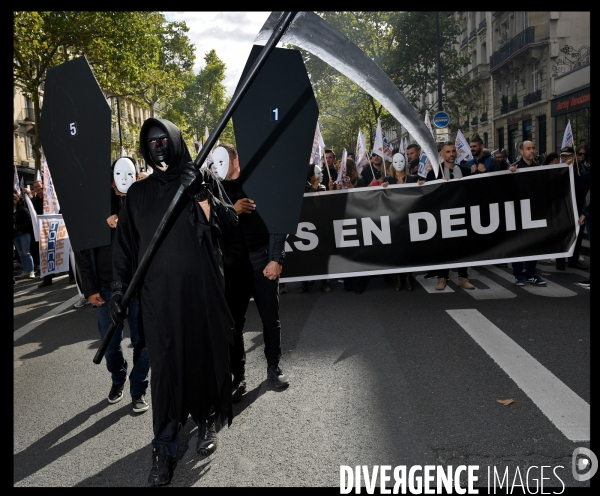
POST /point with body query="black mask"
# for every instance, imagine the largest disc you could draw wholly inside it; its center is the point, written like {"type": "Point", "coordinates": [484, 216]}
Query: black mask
{"type": "Point", "coordinates": [158, 146]}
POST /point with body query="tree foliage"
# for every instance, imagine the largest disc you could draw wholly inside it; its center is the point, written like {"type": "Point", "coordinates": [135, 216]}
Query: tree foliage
{"type": "Point", "coordinates": [126, 50]}
{"type": "Point", "coordinates": [204, 101]}
{"type": "Point", "coordinates": [403, 44]}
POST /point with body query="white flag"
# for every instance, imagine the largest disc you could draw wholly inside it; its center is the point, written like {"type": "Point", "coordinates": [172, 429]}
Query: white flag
{"type": "Point", "coordinates": [567, 138]}
{"type": "Point", "coordinates": [51, 205]}
{"type": "Point", "coordinates": [16, 181]}
{"type": "Point", "coordinates": [381, 147]}
{"type": "Point", "coordinates": [424, 165]}
{"type": "Point", "coordinates": [315, 155]}
{"type": "Point", "coordinates": [428, 124]}
{"type": "Point", "coordinates": [361, 152]}
{"type": "Point", "coordinates": [463, 150]}
{"type": "Point", "coordinates": [22, 183]}
{"type": "Point", "coordinates": [34, 219]}
{"type": "Point", "coordinates": [342, 170]}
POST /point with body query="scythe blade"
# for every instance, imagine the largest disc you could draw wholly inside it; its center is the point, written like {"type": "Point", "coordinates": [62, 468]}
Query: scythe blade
{"type": "Point", "coordinates": [311, 33]}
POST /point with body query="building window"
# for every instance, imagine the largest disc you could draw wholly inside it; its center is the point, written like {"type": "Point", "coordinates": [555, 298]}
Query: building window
{"type": "Point", "coordinates": [484, 59]}
{"type": "Point", "coordinates": [536, 77]}
{"type": "Point", "coordinates": [541, 134]}
{"type": "Point", "coordinates": [527, 130]}
{"type": "Point", "coordinates": [485, 139]}
{"type": "Point", "coordinates": [515, 82]}
{"type": "Point", "coordinates": [500, 138]}
{"type": "Point", "coordinates": [524, 18]}
{"type": "Point", "coordinates": [29, 147]}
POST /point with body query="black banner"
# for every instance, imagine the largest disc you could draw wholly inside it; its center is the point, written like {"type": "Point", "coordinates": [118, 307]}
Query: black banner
{"type": "Point", "coordinates": [477, 220]}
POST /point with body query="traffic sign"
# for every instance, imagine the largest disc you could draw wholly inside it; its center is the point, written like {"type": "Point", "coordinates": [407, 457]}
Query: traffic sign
{"type": "Point", "coordinates": [441, 119]}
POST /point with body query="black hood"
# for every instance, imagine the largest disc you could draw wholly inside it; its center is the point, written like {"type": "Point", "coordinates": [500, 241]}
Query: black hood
{"type": "Point", "coordinates": [178, 151]}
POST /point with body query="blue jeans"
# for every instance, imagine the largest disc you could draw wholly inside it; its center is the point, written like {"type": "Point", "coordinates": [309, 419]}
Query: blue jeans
{"type": "Point", "coordinates": [22, 243]}
{"type": "Point", "coordinates": [530, 267]}
{"type": "Point", "coordinates": [115, 359]}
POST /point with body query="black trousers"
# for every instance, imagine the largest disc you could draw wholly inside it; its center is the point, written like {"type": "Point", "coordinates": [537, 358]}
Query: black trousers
{"type": "Point", "coordinates": [462, 272]}
{"type": "Point", "coordinates": [241, 283]}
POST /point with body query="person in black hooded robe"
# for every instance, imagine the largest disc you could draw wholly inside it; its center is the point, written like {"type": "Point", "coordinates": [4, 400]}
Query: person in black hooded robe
{"type": "Point", "coordinates": [183, 315]}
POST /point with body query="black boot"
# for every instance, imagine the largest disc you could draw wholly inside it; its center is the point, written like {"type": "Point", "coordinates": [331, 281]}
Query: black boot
{"type": "Point", "coordinates": [207, 437]}
{"type": "Point", "coordinates": [162, 466]}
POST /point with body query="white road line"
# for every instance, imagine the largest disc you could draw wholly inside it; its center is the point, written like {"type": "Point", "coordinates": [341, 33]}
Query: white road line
{"type": "Point", "coordinates": [48, 315]}
{"type": "Point", "coordinates": [551, 289]}
{"type": "Point", "coordinates": [431, 283]}
{"type": "Point", "coordinates": [567, 411]}
{"type": "Point", "coordinates": [493, 291]}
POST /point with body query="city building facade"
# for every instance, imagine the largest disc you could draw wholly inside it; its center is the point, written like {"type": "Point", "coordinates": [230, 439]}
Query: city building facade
{"type": "Point", "coordinates": [534, 74]}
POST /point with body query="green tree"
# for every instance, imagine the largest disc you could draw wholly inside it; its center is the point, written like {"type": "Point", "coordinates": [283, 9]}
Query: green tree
{"type": "Point", "coordinates": [412, 62]}
{"type": "Point", "coordinates": [119, 46]}
{"type": "Point", "coordinates": [204, 101]}
{"type": "Point", "coordinates": [403, 44]}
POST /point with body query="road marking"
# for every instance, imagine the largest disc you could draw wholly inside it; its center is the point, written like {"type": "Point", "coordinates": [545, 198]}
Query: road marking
{"type": "Point", "coordinates": [493, 291]}
{"type": "Point", "coordinates": [551, 289]}
{"type": "Point", "coordinates": [565, 409]}
{"type": "Point", "coordinates": [431, 283]}
{"type": "Point", "coordinates": [48, 315]}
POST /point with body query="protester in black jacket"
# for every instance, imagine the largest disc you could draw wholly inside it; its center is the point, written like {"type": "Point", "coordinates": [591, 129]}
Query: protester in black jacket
{"type": "Point", "coordinates": [253, 261]}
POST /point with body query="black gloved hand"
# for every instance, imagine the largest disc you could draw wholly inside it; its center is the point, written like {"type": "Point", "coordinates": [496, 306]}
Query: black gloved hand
{"type": "Point", "coordinates": [116, 312]}
{"type": "Point", "coordinates": [189, 175]}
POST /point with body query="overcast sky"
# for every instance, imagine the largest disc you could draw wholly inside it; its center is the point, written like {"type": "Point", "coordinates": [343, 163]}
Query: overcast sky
{"type": "Point", "coordinates": [230, 34]}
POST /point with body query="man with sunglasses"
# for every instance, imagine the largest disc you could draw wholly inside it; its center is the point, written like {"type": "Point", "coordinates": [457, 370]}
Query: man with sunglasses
{"type": "Point", "coordinates": [450, 170]}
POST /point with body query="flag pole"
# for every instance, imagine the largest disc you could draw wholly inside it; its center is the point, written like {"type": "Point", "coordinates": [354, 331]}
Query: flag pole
{"type": "Point", "coordinates": [284, 22]}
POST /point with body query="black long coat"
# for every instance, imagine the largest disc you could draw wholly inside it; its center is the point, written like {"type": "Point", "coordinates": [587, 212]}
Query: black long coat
{"type": "Point", "coordinates": [184, 316]}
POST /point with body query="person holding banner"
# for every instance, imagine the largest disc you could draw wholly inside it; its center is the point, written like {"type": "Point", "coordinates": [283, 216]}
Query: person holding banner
{"type": "Point", "coordinates": [449, 170]}
{"type": "Point", "coordinates": [186, 322]}
{"type": "Point", "coordinates": [330, 169]}
{"type": "Point", "coordinates": [527, 152]}
{"type": "Point", "coordinates": [482, 160]}
{"type": "Point", "coordinates": [253, 262]}
{"type": "Point", "coordinates": [582, 185]}
{"type": "Point", "coordinates": [22, 234]}
{"type": "Point", "coordinates": [373, 176]}
{"type": "Point", "coordinates": [413, 152]}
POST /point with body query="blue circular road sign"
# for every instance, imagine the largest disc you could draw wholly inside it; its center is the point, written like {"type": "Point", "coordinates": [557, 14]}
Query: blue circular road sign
{"type": "Point", "coordinates": [441, 119]}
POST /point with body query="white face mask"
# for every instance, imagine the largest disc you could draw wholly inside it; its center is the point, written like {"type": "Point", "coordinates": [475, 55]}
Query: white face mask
{"type": "Point", "coordinates": [398, 162]}
{"type": "Point", "coordinates": [124, 174]}
{"type": "Point", "coordinates": [318, 173]}
{"type": "Point", "coordinates": [220, 165]}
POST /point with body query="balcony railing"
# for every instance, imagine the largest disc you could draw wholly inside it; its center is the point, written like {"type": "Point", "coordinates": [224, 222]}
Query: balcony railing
{"type": "Point", "coordinates": [464, 42]}
{"type": "Point", "coordinates": [482, 24]}
{"type": "Point", "coordinates": [474, 121]}
{"type": "Point", "coordinates": [26, 114]}
{"type": "Point", "coordinates": [536, 96]}
{"type": "Point", "coordinates": [514, 105]}
{"type": "Point", "coordinates": [504, 108]}
{"type": "Point", "coordinates": [473, 34]}
{"type": "Point", "coordinates": [520, 41]}
{"type": "Point", "coordinates": [483, 117]}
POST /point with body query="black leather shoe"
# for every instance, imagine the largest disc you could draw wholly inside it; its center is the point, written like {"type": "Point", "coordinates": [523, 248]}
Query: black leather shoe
{"type": "Point", "coordinates": [162, 467]}
{"type": "Point", "coordinates": [207, 438]}
{"type": "Point", "coordinates": [560, 265]}
{"type": "Point", "coordinates": [578, 265]}
{"type": "Point", "coordinates": [43, 284]}
{"type": "Point", "coordinates": [238, 388]}
{"type": "Point", "coordinates": [277, 377]}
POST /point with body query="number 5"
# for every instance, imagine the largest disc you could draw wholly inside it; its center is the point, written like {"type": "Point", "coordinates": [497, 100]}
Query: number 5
{"type": "Point", "coordinates": [73, 128]}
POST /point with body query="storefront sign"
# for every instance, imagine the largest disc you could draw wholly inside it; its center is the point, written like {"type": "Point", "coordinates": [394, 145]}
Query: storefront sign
{"type": "Point", "coordinates": [570, 103]}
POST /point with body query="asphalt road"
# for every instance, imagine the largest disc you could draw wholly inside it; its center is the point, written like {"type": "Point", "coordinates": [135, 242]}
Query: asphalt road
{"type": "Point", "coordinates": [381, 378]}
